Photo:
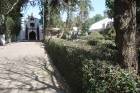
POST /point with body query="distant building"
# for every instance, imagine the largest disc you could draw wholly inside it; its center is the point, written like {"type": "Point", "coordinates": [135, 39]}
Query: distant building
{"type": "Point", "coordinates": [32, 29]}
{"type": "Point", "coordinates": [101, 25]}
{"type": "Point", "coordinates": [53, 32]}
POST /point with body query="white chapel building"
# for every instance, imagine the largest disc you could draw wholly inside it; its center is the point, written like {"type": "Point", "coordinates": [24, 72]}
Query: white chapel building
{"type": "Point", "coordinates": [32, 29]}
{"type": "Point", "coordinates": [101, 25]}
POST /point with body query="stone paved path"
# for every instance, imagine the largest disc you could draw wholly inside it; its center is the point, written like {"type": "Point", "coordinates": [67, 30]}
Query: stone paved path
{"type": "Point", "coordinates": [25, 68]}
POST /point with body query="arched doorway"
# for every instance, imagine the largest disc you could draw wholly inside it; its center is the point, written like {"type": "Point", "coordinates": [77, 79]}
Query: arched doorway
{"type": "Point", "coordinates": [32, 35]}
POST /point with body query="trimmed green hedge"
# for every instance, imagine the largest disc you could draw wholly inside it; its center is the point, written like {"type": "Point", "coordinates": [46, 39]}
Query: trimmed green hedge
{"type": "Point", "coordinates": [68, 59]}
{"type": "Point", "coordinates": [90, 69]}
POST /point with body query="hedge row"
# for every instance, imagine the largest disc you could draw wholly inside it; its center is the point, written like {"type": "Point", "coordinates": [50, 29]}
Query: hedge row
{"type": "Point", "coordinates": [89, 69]}
{"type": "Point", "coordinates": [68, 59]}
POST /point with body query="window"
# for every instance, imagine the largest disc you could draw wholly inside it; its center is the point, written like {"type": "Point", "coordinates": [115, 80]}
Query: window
{"type": "Point", "coordinates": [32, 24]}
{"type": "Point", "coordinates": [32, 18]}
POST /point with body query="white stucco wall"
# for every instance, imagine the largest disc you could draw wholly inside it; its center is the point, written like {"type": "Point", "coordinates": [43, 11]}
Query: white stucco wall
{"type": "Point", "coordinates": [102, 24]}
{"type": "Point", "coordinates": [27, 23]}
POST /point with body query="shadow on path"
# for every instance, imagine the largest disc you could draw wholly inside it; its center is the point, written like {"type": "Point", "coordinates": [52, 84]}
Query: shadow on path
{"type": "Point", "coordinates": [29, 75]}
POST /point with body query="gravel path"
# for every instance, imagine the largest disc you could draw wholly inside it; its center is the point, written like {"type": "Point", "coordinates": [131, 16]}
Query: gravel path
{"type": "Point", "coordinates": [25, 68]}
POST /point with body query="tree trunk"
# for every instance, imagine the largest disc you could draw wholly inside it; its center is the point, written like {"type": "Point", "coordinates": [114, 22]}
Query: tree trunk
{"type": "Point", "coordinates": [138, 23]}
{"type": "Point", "coordinates": [125, 25]}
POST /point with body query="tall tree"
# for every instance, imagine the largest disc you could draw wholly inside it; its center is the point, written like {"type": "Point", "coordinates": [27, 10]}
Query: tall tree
{"type": "Point", "coordinates": [125, 26]}
{"type": "Point", "coordinates": [110, 7]}
{"type": "Point", "coordinates": [8, 6]}
{"type": "Point", "coordinates": [138, 12]}
{"type": "Point", "coordinates": [138, 22]}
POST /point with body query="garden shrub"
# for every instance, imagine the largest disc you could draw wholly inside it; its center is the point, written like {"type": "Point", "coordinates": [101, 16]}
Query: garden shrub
{"type": "Point", "coordinates": [109, 33]}
{"type": "Point", "coordinates": [90, 69]}
{"type": "Point", "coordinates": [68, 61]}
{"type": "Point", "coordinates": [104, 78]}
{"type": "Point", "coordinates": [94, 38]}
{"type": "Point", "coordinates": [94, 35]}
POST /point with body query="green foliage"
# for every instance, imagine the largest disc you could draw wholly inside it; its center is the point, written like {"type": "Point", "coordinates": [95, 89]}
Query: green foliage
{"type": "Point", "coordinates": [98, 17]}
{"type": "Point", "coordinates": [68, 61]}
{"type": "Point", "coordinates": [9, 28]}
{"type": "Point", "coordinates": [110, 8]}
{"type": "Point", "coordinates": [7, 6]}
{"type": "Point", "coordinates": [93, 38]}
{"type": "Point", "coordinates": [95, 19]}
{"type": "Point", "coordinates": [95, 35]}
{"type": "Point", "coordinates": [16, 16]}
{"type": "Point", "coordinates": [10, 24]}
{"type": "Point", "coordinates": [103, 78]}
{"type": "Point", "coordinates": [90, 69]}
{"type": "Point", "coordinates": [103, 37]}
{"type": "Point", "coordinates": [55, 8]}
{"type": "Point", "coordinates": [109, 33]}
{"type": "Point", "coordinates": [85, 27]}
